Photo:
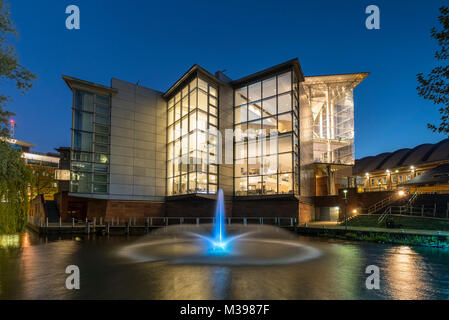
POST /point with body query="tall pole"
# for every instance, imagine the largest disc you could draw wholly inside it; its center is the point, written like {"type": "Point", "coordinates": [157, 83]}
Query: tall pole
{"type": "Point", "coordinates": [346, 209]}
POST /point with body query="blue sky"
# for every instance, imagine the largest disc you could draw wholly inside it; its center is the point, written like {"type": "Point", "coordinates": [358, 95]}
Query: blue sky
{"type": "Point", "coordinates": [156, 42]}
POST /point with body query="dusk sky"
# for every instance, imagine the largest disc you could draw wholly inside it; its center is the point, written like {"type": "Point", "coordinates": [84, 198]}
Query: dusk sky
{"type": "Point", "coordinates": [155, 43]}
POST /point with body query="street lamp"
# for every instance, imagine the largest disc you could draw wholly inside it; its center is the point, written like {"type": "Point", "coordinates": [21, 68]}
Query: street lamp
{"type": "Point", "coordinates": [345, 191]}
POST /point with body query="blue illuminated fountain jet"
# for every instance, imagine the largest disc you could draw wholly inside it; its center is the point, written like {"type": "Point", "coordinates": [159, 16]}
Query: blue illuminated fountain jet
{"type": "Point", "coordinates": [219, 228]}
{"type": "Point", "coordinates": [218, 242]}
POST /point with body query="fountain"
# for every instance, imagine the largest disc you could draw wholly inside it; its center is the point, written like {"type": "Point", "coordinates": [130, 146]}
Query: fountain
{"type": "Point", "coordinates": [220, 244]}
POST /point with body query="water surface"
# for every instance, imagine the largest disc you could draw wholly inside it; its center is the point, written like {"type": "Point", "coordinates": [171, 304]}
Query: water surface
{"type": "Point", "coordinates": [34, 268]}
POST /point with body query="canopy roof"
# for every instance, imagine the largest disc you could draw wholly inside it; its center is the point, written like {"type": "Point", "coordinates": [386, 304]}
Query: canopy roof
{"type": "Point", "coordinates": [438, 175]}
{"type": "Point", "coordinates": [424, 153]}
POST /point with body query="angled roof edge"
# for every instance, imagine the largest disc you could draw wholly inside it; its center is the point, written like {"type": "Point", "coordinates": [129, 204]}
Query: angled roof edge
{"type": "Point", "coordinates": [79, 83]}
{"type": "Point", "coordinates": [356, 78]}
{"type": "Point", "coordinates": [185, 76]}
{"type": "Point", "coordinates": [293, 62]}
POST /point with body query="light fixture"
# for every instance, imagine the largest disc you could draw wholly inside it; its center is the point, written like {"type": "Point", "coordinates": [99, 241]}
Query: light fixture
{"type": "Point", "coordinates": [354, 211]}
{"type": "Point", "coordinates": [412, 168]}
{"type": "Point", "coordinates": [401, 193]}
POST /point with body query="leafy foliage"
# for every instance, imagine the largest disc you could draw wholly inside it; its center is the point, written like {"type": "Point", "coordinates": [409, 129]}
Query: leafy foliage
{"type": "Point", "coordinates": [44, 181]}
{"type": "Point", "coordinates": [16, 178]}
{"type": "Point", "coordinates": [435, 86]}
{"type": "Point", "coordinates": [10, 68]}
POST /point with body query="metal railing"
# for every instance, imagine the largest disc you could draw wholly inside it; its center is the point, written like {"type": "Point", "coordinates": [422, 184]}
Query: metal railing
{"type": "Point", "coordinates": [380, 205]}
{"type": "Point", "coordinates": [160, 221]}
{"type": "Point", "coordinates": [421, 211]}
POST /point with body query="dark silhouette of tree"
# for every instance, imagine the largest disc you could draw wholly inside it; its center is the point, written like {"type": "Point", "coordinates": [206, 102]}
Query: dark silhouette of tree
{"type": "Point", "coordinates": [10, 68]}
{"type": "Point", "coordinates": [435, 86]}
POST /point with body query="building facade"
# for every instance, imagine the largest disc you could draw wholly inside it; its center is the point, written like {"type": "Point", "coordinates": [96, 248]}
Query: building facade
{"type": "Point", "coordinates": [395, 170]}
{"type": "Point", "coordinates": [272, 141]}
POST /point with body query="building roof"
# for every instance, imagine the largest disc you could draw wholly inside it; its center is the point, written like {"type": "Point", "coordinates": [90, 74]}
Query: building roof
{"type": "Point", "coordinates": [293, 63]}
{"type": "Point", "coordinates": [355, 78]}
{"type": "Point", "coordinates": [424, 153]}
{"type": "Point", "coordinates": [17, 142]}
{"type": "Point", "coordinates": [83, 84]}
{"type": "Point", "coordinates": [438, 175]}
{"type": "Point", "coordinates": [186, 76]}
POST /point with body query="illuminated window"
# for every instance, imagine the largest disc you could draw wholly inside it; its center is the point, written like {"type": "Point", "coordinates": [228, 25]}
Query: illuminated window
{"type": "Point", "coordinates": [194, 110]}
{"type": "Point", "coordinates": [266, 143]}
{"type": "Point", "coordinates": [90, 143]}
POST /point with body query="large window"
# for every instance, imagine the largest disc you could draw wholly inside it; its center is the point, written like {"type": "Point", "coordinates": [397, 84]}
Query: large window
{"type": "Point", "coordinates": [266, 131]}
{"type": "Point", "coordinates": [90, 143]}
{"type": "Point", "coordinates": [332, 106]}
{"type": "Point", "coordinates": [192, 138]}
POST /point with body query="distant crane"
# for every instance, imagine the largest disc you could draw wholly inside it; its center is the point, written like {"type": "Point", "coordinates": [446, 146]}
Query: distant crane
{"type": "Point", "coordinates": [13, 125]}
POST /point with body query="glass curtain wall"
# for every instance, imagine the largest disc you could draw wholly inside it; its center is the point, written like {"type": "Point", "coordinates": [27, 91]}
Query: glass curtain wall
{"type": "Point", "coordinates": [266, 130]}
{"type": "Point", "coordinates": [333, 123]}
{"type": "Point", "coordinates": [192, 139]}
{"type": "Point", "coordinates": [90, 143]}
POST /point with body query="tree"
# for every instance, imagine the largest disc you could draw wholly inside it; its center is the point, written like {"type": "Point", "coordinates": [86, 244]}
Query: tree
{"type": "Point", "coordinates": [44, 181]}
{"type": "Point", "coordinates": [16, 178]}
{"type": "Point", "coordinates": [10, 68]}
{"type": "Point", "coordinates": [435, 86]}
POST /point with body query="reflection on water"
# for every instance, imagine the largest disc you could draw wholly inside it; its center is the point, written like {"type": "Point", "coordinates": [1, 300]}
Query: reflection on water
{"type": "Point", "coordinates": [34, 268]}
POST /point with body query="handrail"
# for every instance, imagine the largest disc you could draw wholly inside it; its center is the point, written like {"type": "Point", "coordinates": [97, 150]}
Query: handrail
{"type": "Point", "coordinates": [412, 199]}
{"type": "Point", "coordinates": [380, 205]}
{"type": "Point", "coordinates": [384, 215]}
{"type": "Point", "coordinates": [163, 221]}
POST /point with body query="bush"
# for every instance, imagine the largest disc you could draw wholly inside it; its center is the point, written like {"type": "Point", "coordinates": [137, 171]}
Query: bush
{"type": "Point", "coordinates": [16, 180]}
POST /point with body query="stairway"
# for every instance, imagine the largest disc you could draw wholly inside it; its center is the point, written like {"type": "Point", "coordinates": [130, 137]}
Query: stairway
{"type": "Point", "coordinates": [51, 211]}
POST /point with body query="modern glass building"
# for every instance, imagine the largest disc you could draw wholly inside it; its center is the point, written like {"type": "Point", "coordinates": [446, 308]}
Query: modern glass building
{"type": "Point", "coordinates": [269, 136]}
{"type": "Point", "coordinates": [90, 142]}
{"type": "Point", "coordinates": [192, 138]}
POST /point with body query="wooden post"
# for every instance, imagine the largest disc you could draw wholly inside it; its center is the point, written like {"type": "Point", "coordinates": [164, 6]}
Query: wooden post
{"type": "Point", "coordinates": [60, 223]}
{"type": "Point", "coordinates": [46, 223]}
{"type": "Point", "coordinates": [101, 221]}
{"type": "Point", "coordinates": [73, 223]}
{"type": "Point", "coordinates": [151, 221]}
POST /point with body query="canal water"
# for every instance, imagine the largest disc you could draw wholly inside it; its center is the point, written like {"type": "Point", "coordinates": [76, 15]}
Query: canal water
{"type": "Point", "coordinates": [32, 267]}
